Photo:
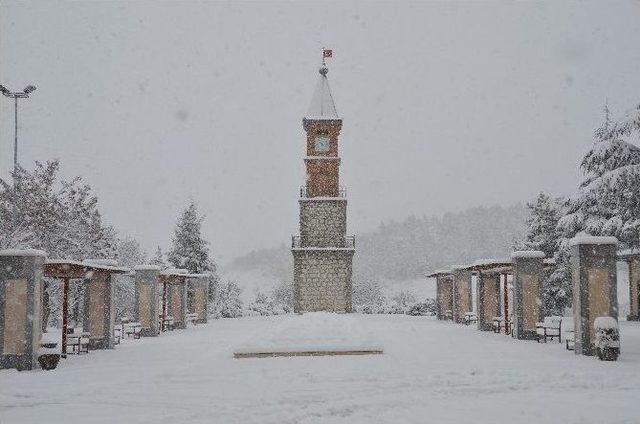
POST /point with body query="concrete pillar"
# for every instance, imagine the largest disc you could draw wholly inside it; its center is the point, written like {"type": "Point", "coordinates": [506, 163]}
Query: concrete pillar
{"type": "Point", "coordinates": [462, 296]}
{"type": "Point", "coordinates": [593, 268]}
{"type": "Point", "coordinates": [20, 307]}
{"type": "Point", "coordinates": [99, 310]}
{"type": "Point", "coordinates": [528, 272]}
{"type": "Point", "coordinates": [177, 301]}
{"type": "Point", "coordinates": [199, 285]}
{"type": "Point", "coordinates": [634, 289]}
{"type": "Point", "coordinates": [147, 294]}
{"type": "Point", "coordinates": [488, 295]}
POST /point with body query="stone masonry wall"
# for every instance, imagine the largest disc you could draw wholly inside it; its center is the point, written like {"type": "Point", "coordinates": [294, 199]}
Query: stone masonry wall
{"type": "Point", "coordinates": [322, 280]}
{"type": "Point", "coordinates": [323, 223]}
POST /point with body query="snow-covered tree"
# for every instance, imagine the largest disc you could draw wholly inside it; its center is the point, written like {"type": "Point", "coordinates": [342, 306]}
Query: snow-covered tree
{"type": "Point", "coordinates": [261, 306]}
{"type": "Point", "coordinates": [367, 296]}
{"type": "Point", "coordinates": [129, 254]}
{"type": "Point", "coordinates": [158, 258]}
{"type": "Point", "coordinates": [283, 297]}
{"type": "Point", "coordinates": [227, 302]}
{"type": "Point", "coordinates": [542, 232]}
{"type": "Point", "coordinates": [607, 201]}
{"type": "Point", "coordinates": [189, 249]}
{"type": "Point", "coordinates": [40, 211]}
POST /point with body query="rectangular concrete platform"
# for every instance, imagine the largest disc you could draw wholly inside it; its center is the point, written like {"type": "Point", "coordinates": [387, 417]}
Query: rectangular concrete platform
{"type": "Point", "coordinates": [318, 352]}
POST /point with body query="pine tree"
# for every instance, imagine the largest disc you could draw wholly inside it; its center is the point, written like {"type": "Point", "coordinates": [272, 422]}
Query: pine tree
{"type": "Point", "coordinates": [158, 259]}
{"type": "Point", "coordinates": [542, 232]}
{"type": "Point", "coordinates": [189, 249]}
{"type": "Point", "coordinates": [607, 201]}
{"type": "Point", "coordinates": [129, 254]}
{"type": "Point", "coordinates": [40, 211]}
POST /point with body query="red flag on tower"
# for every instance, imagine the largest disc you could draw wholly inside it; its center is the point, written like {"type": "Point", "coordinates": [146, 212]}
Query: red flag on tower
{"type": "Point", "coordinates": [327, 53]}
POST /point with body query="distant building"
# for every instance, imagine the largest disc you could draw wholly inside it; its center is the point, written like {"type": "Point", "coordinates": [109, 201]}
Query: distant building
{"type": "Point", "coordinates": [322, 253]}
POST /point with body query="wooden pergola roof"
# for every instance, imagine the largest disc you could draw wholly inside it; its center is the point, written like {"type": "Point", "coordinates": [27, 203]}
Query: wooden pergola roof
{"type": "Point", "coordinates": [64, 268]}
{"type": "Point", "coordinates": [173, 276]}
{"type": "Point", "coordinates": [626, 254]}
{"type": "Point", "coordinates": [489, 266]}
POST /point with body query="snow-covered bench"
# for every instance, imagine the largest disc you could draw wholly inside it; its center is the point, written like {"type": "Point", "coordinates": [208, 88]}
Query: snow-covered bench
{"type": "Point", "coordinates": [499, 324]}
{"type": "Point", "coordinates": [167, 323]}
{"type": "Point", "coordinates": [191, 318]}
{"type": "Point", "coordinates": [78, 342]}
{"type": "Point", "coordinates": [570, 340]}
{"type": "Point", "coordinates": [550, 328]}
{"type": "Point", "coordinates": [470, 317]}
{"type": "Point", "coordinates": [117, 333]}
{"type": "Point", "coordinates": [132, 329]}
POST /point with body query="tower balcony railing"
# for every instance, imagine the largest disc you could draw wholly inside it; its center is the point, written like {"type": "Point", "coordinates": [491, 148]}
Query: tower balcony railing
{"type": "Point", "coordinates": [342, 192]}
{"type": "Point", "coordinates": [349, 242]}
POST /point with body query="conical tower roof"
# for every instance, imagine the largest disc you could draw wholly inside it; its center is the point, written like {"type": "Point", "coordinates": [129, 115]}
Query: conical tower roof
{"type": "Point", "coordinates": [322, 105]}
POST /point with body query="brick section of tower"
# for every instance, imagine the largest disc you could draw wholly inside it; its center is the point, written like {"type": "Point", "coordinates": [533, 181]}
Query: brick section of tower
{"type": "Point", "coordinates": [322, 254]}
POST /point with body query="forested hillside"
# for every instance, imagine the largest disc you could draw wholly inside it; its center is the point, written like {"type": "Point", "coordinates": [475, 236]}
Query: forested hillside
{"type": "Point", "coordinates": [407, 249]}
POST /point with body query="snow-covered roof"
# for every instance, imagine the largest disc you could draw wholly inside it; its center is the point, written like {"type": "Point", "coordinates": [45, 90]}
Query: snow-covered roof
{"type": "Point", "coordinates": [22, 252]}
{"type": "Point", "coordinates": [147, 267]}
{"type": "Point", "coordinates": [88, 266]}
{"type": "Point", "coordinates": [109, 262]}
{"type": "Point", "coordinates": [322, 105]}
{"type": "Point", "coordinates": [491, 261]}
{"type": "Point", "coordinates": [203, 275]}
{"type": "Point", "coordinates": [527, 254]}
{"type": "Point", "coordinates": [592, 240]}
{"type": "Point", "coordinates": [175, 271]}
{"type": "Point", "coordinates": [439, 272]}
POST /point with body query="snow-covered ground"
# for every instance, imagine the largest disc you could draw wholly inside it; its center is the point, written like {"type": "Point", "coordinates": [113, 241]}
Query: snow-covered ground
{"type": "Point", "coordinates": [430, 372]}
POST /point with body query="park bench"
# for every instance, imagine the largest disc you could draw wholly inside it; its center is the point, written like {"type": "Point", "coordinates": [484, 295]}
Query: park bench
{"type": "Point", "coordinates": [550, 328]}
{"type": "Point", "coordinates": [570, 340]}
{"type": "Point", "coordinates": [191, 318]}
{"type": "Point", "coordinates": [117, 333]}
{"type": "Point", "coordinates": [469, 318]}
{"type": "Point", "coordinates": [167, 323]}
{"type": "Point", "coordinates": [78, 342]}
{"type": "Point", "coordinates": [132, 329]}
{"type": "Point", "coordinates": [499, 325]}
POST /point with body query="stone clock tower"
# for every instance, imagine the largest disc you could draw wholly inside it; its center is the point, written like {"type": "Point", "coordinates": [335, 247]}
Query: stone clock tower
{"type": "Point", "coordinates": [322, 253]}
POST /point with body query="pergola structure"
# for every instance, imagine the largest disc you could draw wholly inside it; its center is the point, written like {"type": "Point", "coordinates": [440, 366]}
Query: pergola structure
{"type": "Point", "coordinates": [444, 292]}
{"type": "Point", "coordinates": [99, 313]}
{"type": "Point", "coordinates": [174, 297]}
{"type": "Point", "coordinates": [632, 258]}
{"type": "Point", "coordinates": [493, 276]}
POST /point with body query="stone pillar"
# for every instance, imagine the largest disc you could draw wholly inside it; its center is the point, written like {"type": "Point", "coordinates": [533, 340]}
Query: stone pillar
{"type": "Point", "coordinates": [20, 307]}
{"type": "Point", "coordinates": [634, 288]}
{"type": "Point", "coordinates": [488, 295]}
{"type": "Point", "coordinates": [177, 301]}
{"type": "Point", "coordinates": [99, 310]}
{"type": "Point", "coordinates": [147, 291]}
{"type": "Point", "coordinates": [528, 272]}
{"type": "Point", "coordinates": [444, 295]}
{"type": "Point", "coordinates": [199, 285]}
{"type": "Point", "coordinates": [593, 268]}
{"type": "Point", "coordinates": [462, 300]}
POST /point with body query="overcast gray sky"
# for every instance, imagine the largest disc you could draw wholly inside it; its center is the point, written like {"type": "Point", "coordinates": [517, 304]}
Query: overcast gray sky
{"type": "Point", "coordinates": [445, 105]}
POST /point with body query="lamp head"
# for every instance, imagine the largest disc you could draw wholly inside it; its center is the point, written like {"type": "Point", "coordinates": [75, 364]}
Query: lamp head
{"type": "Point", "coordinates": [29, 89]}
{"type": "Point", "coordinates": [4, 90]}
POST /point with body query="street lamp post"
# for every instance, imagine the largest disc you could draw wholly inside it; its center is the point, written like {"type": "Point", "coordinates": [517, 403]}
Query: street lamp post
{"type": "Point", "coordinates": [17, 95]}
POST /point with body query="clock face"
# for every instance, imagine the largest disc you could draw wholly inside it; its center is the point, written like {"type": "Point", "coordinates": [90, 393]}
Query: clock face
{"type": "Point", "coordinates": [322, 143]}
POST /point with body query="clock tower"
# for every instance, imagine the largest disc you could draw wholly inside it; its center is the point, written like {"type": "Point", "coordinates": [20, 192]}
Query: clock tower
{"type": "Point", "coordinates": [322, 253]}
